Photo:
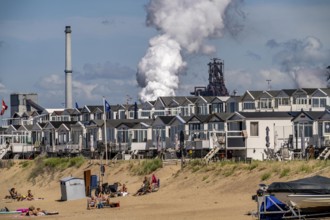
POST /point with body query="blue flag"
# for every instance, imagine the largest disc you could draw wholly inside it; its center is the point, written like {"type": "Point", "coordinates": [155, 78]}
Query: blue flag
{"type": "Point", "coordinates": [107, 106]}
{"type": "Point", "coordinates": [77, 105]}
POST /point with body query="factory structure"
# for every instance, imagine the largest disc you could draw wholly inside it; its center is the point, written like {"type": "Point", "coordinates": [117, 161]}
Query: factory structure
{"type": "Point", "coordinates": [216, 86]}
{"type": "Point", "coordinates": [68, 68]}
{"type": "Point", "coordinates": [257, 125]}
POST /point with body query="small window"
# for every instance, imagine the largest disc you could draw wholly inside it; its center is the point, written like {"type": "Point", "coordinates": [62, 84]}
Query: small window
{"type": "Point", "coordinates": [326, 127]}
{"type": "Point", "coordinates": [254, 129]}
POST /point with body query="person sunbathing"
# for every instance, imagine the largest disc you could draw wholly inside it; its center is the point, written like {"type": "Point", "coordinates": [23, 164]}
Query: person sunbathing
{"type": "Point", "coordinates": [145, 188]}
{"type": "Point", "coordinates": [32, 211]}
{"type": "Point", "coordinates": [123, 191]}
{"type": "Point", "coordinates": [124, 188]}
{"type": "Point", "coordinates": [29, 195]}
{"type": "Point", "coordinates": [91, 203]}
{"type": "Point", "coordinates": [154, 182]}
{"type": "Point", "coordinates": [13, 193]}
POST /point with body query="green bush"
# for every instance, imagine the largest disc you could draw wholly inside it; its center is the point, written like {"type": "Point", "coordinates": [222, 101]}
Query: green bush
{"type": "Point", "coordinates": [195, 162]}
{"type": "Point", "coordinates": [76, 162]}
{"type": "Point", "coordinates": [285, 172]}
{"type": "Point", "coordinates": [305, 168]}
{"type": "Point", "coordinates": [265, 176]}
{"type": "Point", "coordinates": [147, 167]}
{"type": "Point", "coordinates": [229, 170]}
{"type": "Point", "coordinates": [253, 165]}
{"type": "Point", "coordinates": [24, 164]}
{"type": "Point", "coordinates": [43, 164]}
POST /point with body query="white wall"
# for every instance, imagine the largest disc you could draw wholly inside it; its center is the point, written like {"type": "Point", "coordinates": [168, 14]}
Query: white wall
{"type": "Point", "coordinates": [257, 144]}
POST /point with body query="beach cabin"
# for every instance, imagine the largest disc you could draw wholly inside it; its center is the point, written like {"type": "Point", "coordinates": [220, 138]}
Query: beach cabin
{"type": "Point", "coordinates": [72, 188]}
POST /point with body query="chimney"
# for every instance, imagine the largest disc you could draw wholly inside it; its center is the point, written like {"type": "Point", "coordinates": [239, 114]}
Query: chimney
{"type": "Point", "coordinates": [68, 68]}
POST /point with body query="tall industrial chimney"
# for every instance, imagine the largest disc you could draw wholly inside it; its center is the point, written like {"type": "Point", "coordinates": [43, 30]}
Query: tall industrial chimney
{"type": "Point", "coordinates": [68, 68]}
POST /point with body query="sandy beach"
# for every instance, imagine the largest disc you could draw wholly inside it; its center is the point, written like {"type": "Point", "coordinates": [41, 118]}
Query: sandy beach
{"type": "Point", "coordinates": [182, 194]}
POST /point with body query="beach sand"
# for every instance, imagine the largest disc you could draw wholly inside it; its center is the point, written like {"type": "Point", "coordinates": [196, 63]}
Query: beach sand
{"type": "Point", "coordinates": [182, 194]}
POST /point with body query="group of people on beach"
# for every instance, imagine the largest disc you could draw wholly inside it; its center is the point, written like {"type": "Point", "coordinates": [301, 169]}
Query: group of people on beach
{"type": "Point", "coordinates": [35, 212]}
{"type": "Point", "coordinates": [18, 196]}
{"type": "Point", "coordinates": [100, 200]}
{"type": "Point", "coordinates": [148, 185]}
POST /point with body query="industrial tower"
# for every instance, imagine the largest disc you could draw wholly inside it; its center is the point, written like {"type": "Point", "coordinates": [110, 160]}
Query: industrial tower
{"type": "Point", "coordinates": [216, 86]}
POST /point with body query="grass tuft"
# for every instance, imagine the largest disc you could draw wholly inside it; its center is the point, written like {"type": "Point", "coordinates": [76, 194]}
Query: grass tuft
{"type": "Point", "coordinates": [146, 167]}
{"type": "Point", "coordinates": [265, 176]}
{"type": "Point", "coordinates": [50, 165]}
{"type": "Point", "coordinates": [285, 172]}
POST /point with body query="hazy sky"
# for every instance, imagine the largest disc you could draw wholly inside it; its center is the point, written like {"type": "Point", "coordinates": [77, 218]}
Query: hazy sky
{"type": "Point", "coordinates": [286, 41]}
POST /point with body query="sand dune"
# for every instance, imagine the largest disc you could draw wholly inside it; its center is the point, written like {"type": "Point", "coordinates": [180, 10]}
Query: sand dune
{"type": "Point", "coordinates": [183, 194]}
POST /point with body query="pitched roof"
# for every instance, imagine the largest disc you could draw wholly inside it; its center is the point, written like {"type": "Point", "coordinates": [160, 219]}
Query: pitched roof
{"type": "Point", "coordinates": [289, 92]}
{"type": "Point", "coordinates": [166, 119]}
{"type": "Point", "coordinates": [266, 114]}
{"type": "Point", "coordinates": [309, 91]}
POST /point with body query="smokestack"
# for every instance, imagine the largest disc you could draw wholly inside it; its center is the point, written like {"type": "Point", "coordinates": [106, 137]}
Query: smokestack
{"type": "Point", "coordinates": [68, 68]}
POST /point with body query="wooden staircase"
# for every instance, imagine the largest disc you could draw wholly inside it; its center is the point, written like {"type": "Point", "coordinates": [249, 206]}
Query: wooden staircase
{"type": "Point", "coordinates": [211, 154]}
{"type": "Point", "coordinates": [325, 154]}
{"type": "Point", "coordinates": [3, 152]}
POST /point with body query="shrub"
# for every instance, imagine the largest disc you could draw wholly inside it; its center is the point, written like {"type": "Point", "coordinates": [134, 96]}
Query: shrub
{"type": "Point", "coordinates": [43, 164]}
{"type": "Point", "coordinates": [147, 167]}
{"type": "Point", "coordinates": [285, 172]}
{"type": "Point", "coordinates": [205, 177]}
{"type": "Point", "coordinates": [195, 162]}
{"type": "Point", "coordinates": [76, 161]}
{"type": "Point", "coordinates": [265, 176]}
{"type": "Point", "coordinates": [24, 164]}
{"type": "Point", "coordinates": [305, 168]}
{"type": "Point", "coordinates": [229, 170]}
{"type": "Point", "coordinates": [252, 166]}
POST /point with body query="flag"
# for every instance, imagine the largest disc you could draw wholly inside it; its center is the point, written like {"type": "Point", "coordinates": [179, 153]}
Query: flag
{"type": "Point", "coordinates": [4, 107]}
{"type": "Point", "coordinates": [77, 105]}
{"type": "Point", "coordinates": [107, 106]}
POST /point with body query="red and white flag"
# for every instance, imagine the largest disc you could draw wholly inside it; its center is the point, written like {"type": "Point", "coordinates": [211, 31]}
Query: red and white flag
{"type": "Point", "coordinates": [4, 107]}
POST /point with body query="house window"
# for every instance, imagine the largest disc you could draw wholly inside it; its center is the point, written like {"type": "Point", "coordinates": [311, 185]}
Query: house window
{"type": "Point", "coordinates": [140, 136]}
{"type": "Point", "coordinates": [326, 127]}
{"type": "Point", "coordinates": [232, 107]}
{"type": "Point", "coordinates": [145, 113]}
{"type": "Point", "coordinates": [265, 103]}
{"type": "Point", "coordinates": [159, 113]}
{"type": "Point", "coordinates": [202, 110]}
{"type": "Point", "coordinates": [195, 127]}
{"type": "Point", "coordinates": [281, 101]}
{"type": "Point", "coordinates": [122, 114]}
{"type": "Point", "coordinates": [217, 126]}
{"type": "Point", "coordinates": [318, 102]}
{"type": "Point", "coordinates": [300, 101]}
{"type": "Point", "coordinates": [254, 129]}
{"type": "Point", "coordinates": [217, 107]}
{"type": "Point", "coordinates": [248, 105]}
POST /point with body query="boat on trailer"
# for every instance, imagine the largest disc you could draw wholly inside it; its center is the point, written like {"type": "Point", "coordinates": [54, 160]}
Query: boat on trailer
{"type": "Point", "coordinates": [302, 198]}
{"type": "Point", "coordinates": [310, 194]}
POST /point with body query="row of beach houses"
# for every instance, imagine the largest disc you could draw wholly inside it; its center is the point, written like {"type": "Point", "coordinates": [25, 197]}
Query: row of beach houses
{"type": "Point", "coordinates": [246, 126]}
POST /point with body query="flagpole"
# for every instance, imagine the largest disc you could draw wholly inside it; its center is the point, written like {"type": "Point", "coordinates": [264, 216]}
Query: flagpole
{"type": "Point", "coordinates": [105, 133]}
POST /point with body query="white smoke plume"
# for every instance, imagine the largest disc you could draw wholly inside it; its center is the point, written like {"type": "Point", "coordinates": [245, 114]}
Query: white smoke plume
{"type": "Point", "coordinates": [184, 26]}
{"type": "Point", "coordinates": [303, 60]}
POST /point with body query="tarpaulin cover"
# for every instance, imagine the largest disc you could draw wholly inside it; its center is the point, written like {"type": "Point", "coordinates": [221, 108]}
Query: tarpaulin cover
{"type": "Point", "coordinates": [313, 185]}
{"type": "Point", "coordinates": [271, 203]}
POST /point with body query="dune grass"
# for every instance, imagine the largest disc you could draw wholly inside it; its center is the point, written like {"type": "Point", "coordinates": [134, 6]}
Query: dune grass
{"type": "Point", "coordinates": [146, 167]}
{"type": "Point", "coordinates": [50, 165]}
{"type": "Point", "coordinates": [267, 169]}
